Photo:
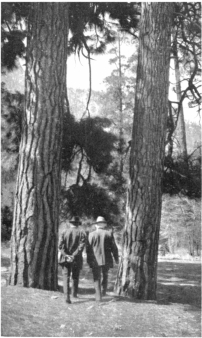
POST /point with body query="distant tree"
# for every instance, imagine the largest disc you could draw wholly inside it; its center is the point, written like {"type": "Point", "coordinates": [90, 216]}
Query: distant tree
{"type": "Point", "coordinates": [91, 145]}
{"type": "Point", "coordinates": [117, 103]}
{"type": "Point", "coordinates": [12, 106]}
{"type": "Point", "coordinates": [193, 132]}
{"type": "Point", "coordinates": [6, 223]}
{"type": "Point", "coordinates": [119, 96]}
{"type": "Point", "coordinates": [89, 201]}
{"type": "Point", "coordinates": [182, 176]}
{"type": "Point", "coordinates": [188, 39]}
{"type": "Point", "coordinates": [180, 131]}
{"type": "Point", "coordinates": [186, 52]}
{"type": "Point", "coordinates": [83, 188]}
{"type": "Point", "coordinates": [181, 225]}
{"type": "Point", "coordinates": [13, 32]}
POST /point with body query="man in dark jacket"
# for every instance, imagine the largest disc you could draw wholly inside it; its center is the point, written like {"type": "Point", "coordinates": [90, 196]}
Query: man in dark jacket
{"type": "Point", "coordinates": [71, 246]}
{"type": "Point", "coordinates": [100, 248]}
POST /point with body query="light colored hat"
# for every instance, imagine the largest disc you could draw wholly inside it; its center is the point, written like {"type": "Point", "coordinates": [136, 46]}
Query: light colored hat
{"type": "Point", "coordinates": [100, 220]}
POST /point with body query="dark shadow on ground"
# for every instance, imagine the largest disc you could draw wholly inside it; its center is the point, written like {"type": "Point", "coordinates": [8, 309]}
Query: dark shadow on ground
{"type": "Point", "coordinates": [179, 283]}
{"type": "Point", "coordinates": [190, 296]}
{"type": "Point", "coordinates": [86, 291]}
{"type": "Point", "coordinates": [82, 291]}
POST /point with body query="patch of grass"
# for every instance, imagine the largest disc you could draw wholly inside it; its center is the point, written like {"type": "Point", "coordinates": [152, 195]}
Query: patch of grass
{"type": "Point", "coordinates": [36, 313]}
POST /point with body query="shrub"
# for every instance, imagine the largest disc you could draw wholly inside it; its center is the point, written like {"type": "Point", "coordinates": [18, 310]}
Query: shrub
{"type": "Point", "coordinates": [6, 223]}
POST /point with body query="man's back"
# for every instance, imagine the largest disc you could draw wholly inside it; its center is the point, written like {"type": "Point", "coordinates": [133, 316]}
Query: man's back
{"type": "Point", "coordinates": [72, 243]}
{"type": "Point", "coordinates": [103, 245]}
{"type": "Point", "coordinates": [71, 238]}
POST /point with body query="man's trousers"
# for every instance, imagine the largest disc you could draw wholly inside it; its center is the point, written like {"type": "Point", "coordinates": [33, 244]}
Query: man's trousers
{"type": "Point", "coordinates": [70, 270]}
{"type": "Point", "coordinates": [97, 272]}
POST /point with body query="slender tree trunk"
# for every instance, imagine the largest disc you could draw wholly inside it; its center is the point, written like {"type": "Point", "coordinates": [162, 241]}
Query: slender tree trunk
{"type": "Point", "coordinates": [137, 273]}
{"type": "Point", "coordinates": [36, 211]}
{"type": "Point", "coordinates": [121, 141]}
{"type": "Point", "coordinates": [180, 131]}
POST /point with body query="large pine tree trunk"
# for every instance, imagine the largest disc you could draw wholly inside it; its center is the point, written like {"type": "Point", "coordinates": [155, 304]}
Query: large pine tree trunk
{"type": "Point", "coordinates": [36, 211]}
{"type": "Point", "coordinates": [137, 272]}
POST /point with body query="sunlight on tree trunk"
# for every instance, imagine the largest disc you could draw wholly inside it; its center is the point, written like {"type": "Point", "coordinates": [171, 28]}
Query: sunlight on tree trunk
{"type": "Point", "coordinates": [137, 273]}
{"type": "Point", "coordinates": [36, 211]}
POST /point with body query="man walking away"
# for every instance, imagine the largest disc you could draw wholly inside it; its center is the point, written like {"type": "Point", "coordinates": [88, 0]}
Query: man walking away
{"type": "Point", "coordinates": [100, 248]}
{"type": "Point", "coordinates": [71, 246]}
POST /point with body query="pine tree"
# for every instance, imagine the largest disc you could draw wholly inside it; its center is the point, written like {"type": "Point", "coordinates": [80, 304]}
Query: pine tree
{"type": "Point", "coordinates": [36, 211]}
{"type": "Point", "coordinates": [137, 274]}
{"type": "Point", "coordinates": [180, 131]}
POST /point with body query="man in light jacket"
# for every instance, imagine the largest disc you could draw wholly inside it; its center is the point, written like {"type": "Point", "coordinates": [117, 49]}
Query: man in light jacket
{"type": "Point", "coordinates": [101, 248]}
{"type": "Point", "coordinates": [71, 245]}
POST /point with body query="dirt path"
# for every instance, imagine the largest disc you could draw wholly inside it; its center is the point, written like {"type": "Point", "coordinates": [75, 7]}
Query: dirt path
{"type": "Point", "coordinates": [33, 312]}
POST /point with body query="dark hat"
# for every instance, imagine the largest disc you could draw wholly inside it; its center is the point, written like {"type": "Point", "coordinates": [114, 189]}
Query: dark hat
{"type": "Point", "coordinates": [75, 220]}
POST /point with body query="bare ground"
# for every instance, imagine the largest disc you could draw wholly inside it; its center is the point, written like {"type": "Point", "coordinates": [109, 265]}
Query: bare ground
{"type": "Point", "coordinates": [39, 313]}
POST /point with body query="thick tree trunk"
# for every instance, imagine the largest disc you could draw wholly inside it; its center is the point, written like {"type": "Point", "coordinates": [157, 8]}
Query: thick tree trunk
{"type": "Point", "coordinates": [35, 225]}
{"type": "Point", "coordinates": [137, 272]}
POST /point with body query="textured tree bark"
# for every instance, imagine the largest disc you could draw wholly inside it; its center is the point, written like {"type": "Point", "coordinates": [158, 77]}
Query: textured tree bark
{"type": "Point", "coordinates": [137, 273]}
{"type": "Point", "coordinates": [35, 225]}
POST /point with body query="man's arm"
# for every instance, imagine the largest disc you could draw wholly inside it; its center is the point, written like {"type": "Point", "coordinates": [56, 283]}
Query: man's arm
{"type": "Point", "coordinates": [114, 249]}
{"type": "Point", "coordinates": [89, 252]}
{"type": "Point", "coordinates": [61, 245]}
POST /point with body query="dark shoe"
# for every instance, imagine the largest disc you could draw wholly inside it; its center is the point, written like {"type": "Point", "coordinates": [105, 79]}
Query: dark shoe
{"type": "Point", "coordinates": [68, 301]}
{"type": "Point", "coordinates": [75, 283]}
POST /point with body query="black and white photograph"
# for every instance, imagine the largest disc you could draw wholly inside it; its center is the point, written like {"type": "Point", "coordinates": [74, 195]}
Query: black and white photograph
{"type": "Point", "coordinates": [100, 169]}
